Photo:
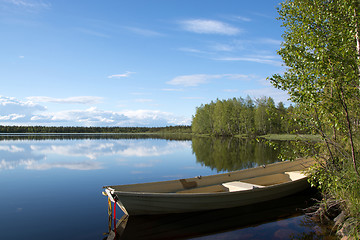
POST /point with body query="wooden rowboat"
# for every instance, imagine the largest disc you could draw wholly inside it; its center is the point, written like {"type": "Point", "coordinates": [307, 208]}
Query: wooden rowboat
{"type": "Point", "coordinates": [219, 191]}
{"type": "Point", "coordinates": [204, 223]}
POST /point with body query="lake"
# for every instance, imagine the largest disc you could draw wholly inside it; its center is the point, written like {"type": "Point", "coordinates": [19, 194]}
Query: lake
{"type": "Point", "coordinates": [51, 185]}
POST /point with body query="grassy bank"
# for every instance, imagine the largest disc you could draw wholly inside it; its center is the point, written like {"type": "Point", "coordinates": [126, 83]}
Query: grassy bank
{"type": "Point", "coordinates": [340, 186]}
{"type": "Point", "coordinates": [292, 137]}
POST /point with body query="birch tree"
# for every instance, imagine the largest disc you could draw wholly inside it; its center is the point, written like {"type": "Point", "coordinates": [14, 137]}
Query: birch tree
{"type": "Point", "coordinates": [321, 51]}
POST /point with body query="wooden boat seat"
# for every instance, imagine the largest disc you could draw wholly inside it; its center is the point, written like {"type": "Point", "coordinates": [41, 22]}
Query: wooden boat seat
{"type": "Point", "coordinates": [295, 175]}
{"type": "Point", "coordinates": [207, 189]}
{"type": "Point", "coordinates": [239, 186]}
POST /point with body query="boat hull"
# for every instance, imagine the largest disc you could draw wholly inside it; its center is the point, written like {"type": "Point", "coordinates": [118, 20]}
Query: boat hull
{"type": "Point", "coordinates": [197, 224]}
{"type": "Point", "coordinates": [165, 203]}
{"type": "Point", "coordinates": [184, 195]}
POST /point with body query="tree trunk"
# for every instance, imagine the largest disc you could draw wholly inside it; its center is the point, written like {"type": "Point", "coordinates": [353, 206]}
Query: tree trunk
{"type": "Point", "coordinates": [353, 155]}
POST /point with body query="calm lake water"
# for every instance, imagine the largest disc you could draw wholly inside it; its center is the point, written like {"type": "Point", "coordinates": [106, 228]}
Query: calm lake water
{"type": "Point", "coordinates": [51, 186]}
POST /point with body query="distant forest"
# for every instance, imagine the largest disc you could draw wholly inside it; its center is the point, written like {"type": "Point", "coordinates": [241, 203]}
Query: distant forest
{"type": "Point", "coordinates": [239, 116]}
{"type": "Point", "coordinates": [44, 129]}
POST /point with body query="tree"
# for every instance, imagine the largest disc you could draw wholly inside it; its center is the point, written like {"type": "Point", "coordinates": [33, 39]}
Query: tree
{"type": "Point", "coordinates": [202, 122]}
{"type": "Point", "coordinates": [263, 115]}
{"type": "Point", "coordinates": [282, 120]}
{"type": "Point", "coordinates": [248, 116]}
{"type": "Point", "coordinates": [240, 116]}
{"type": "Point", "coordinates": [321, 53]}
{"type": "Point", "coordinates": [321, 50]}
{"type": "Point", "coordinates": [273, 116]}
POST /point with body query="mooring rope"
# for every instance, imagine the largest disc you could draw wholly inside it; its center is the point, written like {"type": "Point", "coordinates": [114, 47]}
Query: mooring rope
{"type": "Point", "coordinates": [115, 216]}
{"type": "Point", "coordinates": [109, 213]}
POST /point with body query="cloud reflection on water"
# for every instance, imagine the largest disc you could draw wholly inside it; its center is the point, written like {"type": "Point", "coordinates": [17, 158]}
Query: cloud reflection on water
{"type": "Point", "coordinates": [15, 154]}
{"type": "Point", "coordinates": [85, 165]}
{"type": "Point", "coordinates": [84, 154]}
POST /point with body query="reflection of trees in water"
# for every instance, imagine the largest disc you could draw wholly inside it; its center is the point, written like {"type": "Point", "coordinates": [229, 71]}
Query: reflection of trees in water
{"type": "Point", "coordinates": [290, 150]}
{"type": "Point", "coordinates": [229, 154]}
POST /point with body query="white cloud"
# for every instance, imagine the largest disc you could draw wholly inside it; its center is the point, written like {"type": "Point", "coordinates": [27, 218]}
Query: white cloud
{"type": "Point", "coordinates": [11, 117]}
{"type": "Point", "coordinates": [192, 50]}
{"type": "Point", "coordinates": [172, 89]}
{"type": "Point", "coordinates": [97, 117]}
{"type": "Point", "coordinates": [205, 26]}
{"type": "Point", "coordinates": [222, 47]}
{"type": "Point", "coordinates": [238, 76]}
{"type": "Point", "coordinates": [16, 112]}
{"type": "Point", "coordinates": [34, 4]}
{"type": "Point", "coordinates": [241, 18]}
{"type": "Point", "coordinates": [144, 32]}
{"type": "Point", "coordinates": [70, 100]}
{"type": "Point", "coordinates": [191, 80]}
{"type": "Point", "coordinates": [145, 114]}
{"type": "Point", "coordinates": [123, 75]}
{"type": "Point", "coordinates": [197, 79]}
{"type": "Point", "coordinates": [276, 94]}
{"type": "Point", "coordinates": [153, 118]}
{"type": "Point", "coordinates": [7, 103]}
{"type": "Point", "coordinates": [258, 59]}
{"type": "Point", "coordinates": [88, 117]}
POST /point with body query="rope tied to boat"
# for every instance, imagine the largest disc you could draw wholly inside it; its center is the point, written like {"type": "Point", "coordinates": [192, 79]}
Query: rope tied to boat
{"type": "Point", "coordinates": [109, 214]}
{"type": "Point", "coordinates": [115, 200]}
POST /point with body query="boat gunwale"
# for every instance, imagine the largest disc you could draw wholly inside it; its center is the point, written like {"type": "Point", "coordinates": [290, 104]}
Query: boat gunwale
{"type": "Point", "coordinates": [181, 195]}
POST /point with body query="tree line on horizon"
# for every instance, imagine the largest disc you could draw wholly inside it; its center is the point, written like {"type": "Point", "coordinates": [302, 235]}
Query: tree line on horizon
{"type": "Point", "coordinates": [239, 116]}
{"type": "Point", "coordinates": [74, 129]}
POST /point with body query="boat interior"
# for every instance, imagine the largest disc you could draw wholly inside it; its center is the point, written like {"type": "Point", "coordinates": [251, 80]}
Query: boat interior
{"type": "Point", "coordinates": [225, 183]}
{"type": "Point", "coordinates": [247, 184]}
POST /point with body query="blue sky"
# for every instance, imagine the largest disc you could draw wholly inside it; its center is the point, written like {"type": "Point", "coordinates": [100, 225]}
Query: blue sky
{"type": "Point", "coordinates": [132, 62]}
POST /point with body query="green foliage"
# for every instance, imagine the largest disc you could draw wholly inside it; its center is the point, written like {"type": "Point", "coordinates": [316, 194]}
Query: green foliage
{"type": "Point", "coordinates": [238, 116]}
{"type": "Point", "coordinates": [321, 50]}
